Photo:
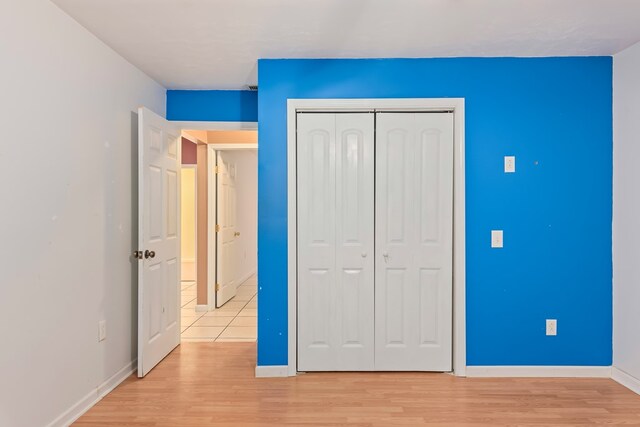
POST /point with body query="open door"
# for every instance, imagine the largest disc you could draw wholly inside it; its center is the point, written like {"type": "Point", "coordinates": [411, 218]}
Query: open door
{"type": "Point", "coordinates": [158, 239]}
{"type": "Point", "coordinates": [226, 283]}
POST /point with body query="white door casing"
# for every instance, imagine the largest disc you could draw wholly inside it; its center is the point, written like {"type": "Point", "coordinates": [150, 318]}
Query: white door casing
{"type": "Point", "coordinates": [414, 241]}
{"type": "Point", "coordinates": [158, 239]}
{"type": "Point", "coordinates": [455, 105]}
{"type": "Point", "coordinates": [226, 280]}
{"type": "Point", "coordinates": [335, 164]}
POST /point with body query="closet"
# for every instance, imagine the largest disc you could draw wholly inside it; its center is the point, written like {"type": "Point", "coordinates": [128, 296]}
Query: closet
{"type": "Point", "coordinates": [375, 241]}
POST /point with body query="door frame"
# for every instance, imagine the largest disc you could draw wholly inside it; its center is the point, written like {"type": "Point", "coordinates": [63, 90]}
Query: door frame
{"type": "Point", "coordinates": [455, 105]}
{"type": "Point", "coordinates": [211, 193]}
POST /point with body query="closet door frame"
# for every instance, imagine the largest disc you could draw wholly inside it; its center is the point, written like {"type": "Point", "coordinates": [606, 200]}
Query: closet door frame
{"type": "Point", "coordinates": [455, 105]}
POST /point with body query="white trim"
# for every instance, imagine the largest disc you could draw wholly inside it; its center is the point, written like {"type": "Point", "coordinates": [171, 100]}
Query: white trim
{"type": "Point", "coordinates": [78, 409]}
{"type": "Point", "coordinates": [246, 277]}
{"type": "Point", "coordinates": [190, 138]}
{"type": "Point", "coordinates": [540, 371]}
{"type": "Point", "coordinates": [459, 278]}
{"type": "Point", "coordinates": [202, 308]}
{"type": "Point", "coordinates": [189, 125]}
{"type": "Point", "coordinates": [272, 371]}
{"type": "Point", "coordinates": [231, 147]}
{"type": "Point", "coordinates": [110, 384]}
{"type": "Point", "coordinates": [629, 381]}
{"type": "Point", "coordinates": [211, 221]}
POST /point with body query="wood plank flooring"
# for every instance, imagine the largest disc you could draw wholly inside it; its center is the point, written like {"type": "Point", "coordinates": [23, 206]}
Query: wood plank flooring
{"type": "Point", "coordinates": [213, 384]}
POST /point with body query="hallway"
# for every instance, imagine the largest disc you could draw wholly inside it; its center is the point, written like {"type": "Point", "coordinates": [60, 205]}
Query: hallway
{"type": "Point", "coordinates": [236, 321]}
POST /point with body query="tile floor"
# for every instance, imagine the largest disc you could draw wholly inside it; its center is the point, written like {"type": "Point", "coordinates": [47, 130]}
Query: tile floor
{"type": "Point", "coordinates": [236, 321]}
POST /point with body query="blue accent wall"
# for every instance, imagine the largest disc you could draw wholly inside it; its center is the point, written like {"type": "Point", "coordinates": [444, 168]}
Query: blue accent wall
{"type": "Point", "coordinates": [212, 105]}
{"type": "Point", "coordinates": [555, 116]}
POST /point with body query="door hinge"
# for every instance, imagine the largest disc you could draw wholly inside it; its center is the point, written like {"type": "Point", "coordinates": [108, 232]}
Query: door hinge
{"type": "Point", "coordinates": [217, 169]}
{"type": "Point", "coordinates": [217, 287]}
{"type": "Point", "coordinates": [217, 228]}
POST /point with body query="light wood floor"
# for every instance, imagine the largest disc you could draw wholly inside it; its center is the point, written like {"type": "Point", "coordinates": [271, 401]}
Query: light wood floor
{"type": "Point", "coordinates": [207, 384]}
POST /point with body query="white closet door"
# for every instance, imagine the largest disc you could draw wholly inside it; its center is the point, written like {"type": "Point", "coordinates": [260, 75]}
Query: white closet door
{"type": "Point", "coordinates": [335, 168]}
{"type": "Point", "coordinates": [414, 210]}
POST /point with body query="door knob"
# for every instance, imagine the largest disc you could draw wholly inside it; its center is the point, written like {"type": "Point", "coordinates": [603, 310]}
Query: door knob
{"type": "Point", "coordinates": [363, 254]}
{"type": "Point", "coordinates": [137, 254]}
{"type": "Point", "coordinates": [237, 233]}
{"type": "Point", "coordinates": [149, 254]}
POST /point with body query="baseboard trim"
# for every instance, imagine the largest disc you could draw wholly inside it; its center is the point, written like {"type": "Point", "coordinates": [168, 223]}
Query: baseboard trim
{"type": "Point", "coordinates": [629, 381]}
{"type": "Point", "coordinates": [540, 371]}
{"type": "Point", "coordinates": [246, 277]}
{"type": "Point", "coordinates": [201, 308]}
{"type": "Point", "coordinates": [94, 396]}
{"type": "Point", "coordinates": [272, 371]}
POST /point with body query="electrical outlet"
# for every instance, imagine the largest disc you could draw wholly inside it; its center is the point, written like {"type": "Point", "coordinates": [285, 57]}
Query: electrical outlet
{"type": "Point", "coordinates": [102, 330]}
{"type": "Point", "coordinates": [496, 239]}
{"type": "Point", "coordinates": [552, 327]}
{"type": "Point", "coordinates": [509, 164]}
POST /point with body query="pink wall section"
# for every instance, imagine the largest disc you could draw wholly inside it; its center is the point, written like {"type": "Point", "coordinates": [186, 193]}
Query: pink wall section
{"type": "Point", "coordinates": [189, 156]}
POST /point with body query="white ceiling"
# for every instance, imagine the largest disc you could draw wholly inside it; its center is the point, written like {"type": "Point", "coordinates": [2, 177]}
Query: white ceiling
{"type": "Point", "coordinates": [214, 44]}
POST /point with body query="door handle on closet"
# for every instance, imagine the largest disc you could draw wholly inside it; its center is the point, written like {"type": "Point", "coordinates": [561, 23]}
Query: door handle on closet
{"type": "Point", "coordinates": [385, 255]}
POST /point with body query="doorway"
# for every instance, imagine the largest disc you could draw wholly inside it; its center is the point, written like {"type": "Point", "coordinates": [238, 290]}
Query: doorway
{"type": "Point", "coordinates": [162, 315]}
{"type": "Point", "coordinates": [228, 310]}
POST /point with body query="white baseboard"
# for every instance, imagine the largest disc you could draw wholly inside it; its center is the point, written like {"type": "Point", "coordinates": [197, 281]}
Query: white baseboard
{"type": "Point", "coordinates": [83, 405]}
{"type": "Point", "coordinates": [629, 381]}
{"type": "Point", "coordinates": [272, 371]}
{"type": "Point", "coordinates": [246, 277]}
{"type": "Point", "coordinates": [200, 308]}
{"type": "Point", "coordinates": [540, 371]}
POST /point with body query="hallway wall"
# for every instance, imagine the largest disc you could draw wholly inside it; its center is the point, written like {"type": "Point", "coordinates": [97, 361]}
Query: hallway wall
{"type": "Point", "coordinates": [67, 228]}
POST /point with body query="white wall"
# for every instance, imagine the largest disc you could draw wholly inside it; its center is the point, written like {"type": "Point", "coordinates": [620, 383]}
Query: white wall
{"type": "Point", "coordinates": [626, 211]}
{"type": "Point", "coordinates": [66, 230]}
{"type": "Point", "coordinates": [247, 208]}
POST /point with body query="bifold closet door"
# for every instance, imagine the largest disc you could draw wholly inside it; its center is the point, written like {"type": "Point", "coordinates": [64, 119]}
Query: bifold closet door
{"type": "Point", "coordinates": [335, 196]}
{"type": "Point", "coordinates": [413, 237]}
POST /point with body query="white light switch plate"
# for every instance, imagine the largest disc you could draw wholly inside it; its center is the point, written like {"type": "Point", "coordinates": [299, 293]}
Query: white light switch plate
{"type": "Point", "coordinates": [552, 327]}
{"type": "Point", "coordinates": [509, 164]}
{"type": "Point", "coordinates": [496, 239]}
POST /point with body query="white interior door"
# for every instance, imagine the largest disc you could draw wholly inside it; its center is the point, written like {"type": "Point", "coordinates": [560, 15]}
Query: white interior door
{"type": "Point", "coordinates": [226, 233]}
{"type": "Point", "coordinates": [414, 247]}
{"type": "Point", "coordinates": [158, 239]}
{"type": "Point", "coordinates": [335, 169]}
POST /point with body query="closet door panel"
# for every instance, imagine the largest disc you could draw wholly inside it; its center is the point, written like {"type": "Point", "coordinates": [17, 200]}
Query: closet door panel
{"type": "Point", "coordinates": [414, 207]}
{"type": "Point", "coordinates": [335, 241]}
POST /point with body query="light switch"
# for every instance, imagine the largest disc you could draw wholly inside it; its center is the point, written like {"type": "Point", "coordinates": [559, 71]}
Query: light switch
{"type": "Point", "coordinates": [509, 164]}
{"type": "Point", "coordinates": [496, 238]}
{"type": "Point", "coordinates": [552, 327]}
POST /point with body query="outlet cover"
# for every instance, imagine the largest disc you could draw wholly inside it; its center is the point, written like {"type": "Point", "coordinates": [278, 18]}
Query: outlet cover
{"type": "Point", "coordinates": [509, 164]}
{"type": "Point", "coordinates": [496, 239]}
{"type": "Point", "coordinates": [552, 327]}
